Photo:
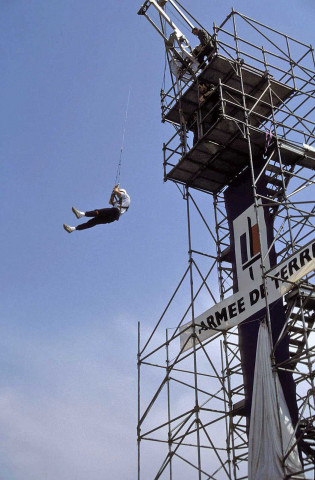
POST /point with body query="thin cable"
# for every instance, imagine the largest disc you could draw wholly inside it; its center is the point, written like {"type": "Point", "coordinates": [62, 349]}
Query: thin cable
{"type": "Point", "coordinates": [181, 22]}
{"type": "Point", "coordinates": [190, 15]}
{"type": "Point", "coordinates": [163, 28]}
{"type": "Point", "coordinates": [123, 140]}
{"type": "Point", "coordinates": [164, 72]}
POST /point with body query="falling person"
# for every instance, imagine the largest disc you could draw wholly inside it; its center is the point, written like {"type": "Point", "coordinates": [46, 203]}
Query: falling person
{"type": "Point", "coordinates": [120, 202]}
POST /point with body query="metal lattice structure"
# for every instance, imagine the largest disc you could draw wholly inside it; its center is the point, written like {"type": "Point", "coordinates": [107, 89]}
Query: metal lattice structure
{"type": "Point", "coordinates": [191, 402]}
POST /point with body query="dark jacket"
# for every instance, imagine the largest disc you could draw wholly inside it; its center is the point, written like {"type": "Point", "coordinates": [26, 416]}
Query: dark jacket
{"type": "Point", "coordinates": [204, 38]}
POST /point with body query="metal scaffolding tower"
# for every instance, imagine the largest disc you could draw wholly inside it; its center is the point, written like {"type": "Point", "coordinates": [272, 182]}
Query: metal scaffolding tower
{"type": "Point", "coordinates": [191, 410]}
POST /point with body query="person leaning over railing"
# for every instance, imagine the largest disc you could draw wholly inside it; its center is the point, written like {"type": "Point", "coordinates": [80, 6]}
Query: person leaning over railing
{"type": "Point", "coordinates": [205, 48]}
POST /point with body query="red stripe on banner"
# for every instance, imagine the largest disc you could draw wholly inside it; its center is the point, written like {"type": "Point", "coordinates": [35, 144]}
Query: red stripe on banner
{"type": "Point", "coordinates": [255, 238]}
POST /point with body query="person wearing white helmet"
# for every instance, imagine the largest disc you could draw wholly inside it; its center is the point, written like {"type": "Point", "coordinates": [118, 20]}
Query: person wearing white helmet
{"type": "Point", "coordinates": [120, 202]}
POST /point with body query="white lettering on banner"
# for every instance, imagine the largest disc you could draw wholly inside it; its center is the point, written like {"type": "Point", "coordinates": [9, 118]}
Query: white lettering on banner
{"type": "Point", "coordinates": [245, 303]}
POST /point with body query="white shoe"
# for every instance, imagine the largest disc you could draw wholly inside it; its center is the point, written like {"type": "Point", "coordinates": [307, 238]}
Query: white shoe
{"type": "Point", "coordinates": [77, 213]}
{"type": "Point", "coordinates": [68, 229]}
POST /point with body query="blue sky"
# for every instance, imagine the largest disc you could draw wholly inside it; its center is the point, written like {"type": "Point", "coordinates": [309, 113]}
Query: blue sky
{"type": "Point", "coordinates": [70, 303]}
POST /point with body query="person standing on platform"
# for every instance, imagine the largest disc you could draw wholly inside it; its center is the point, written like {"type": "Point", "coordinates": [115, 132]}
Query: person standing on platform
{"type": "Point", "coordinates": [205, 48]}
{"type": "Point", "coordinates": [210, 106]}
{"type": "Point", "coordinates": [120, 202]}
{"type": "Point", "coordinates": [205, 91]}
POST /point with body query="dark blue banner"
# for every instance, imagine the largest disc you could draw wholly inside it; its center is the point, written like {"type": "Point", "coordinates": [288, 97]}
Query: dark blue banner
{"type": "Point", "coordinates": [248, 238]}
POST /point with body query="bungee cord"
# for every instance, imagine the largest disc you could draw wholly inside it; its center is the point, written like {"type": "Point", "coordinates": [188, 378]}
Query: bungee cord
{"type": "Point", "coordinates": [117, 179]}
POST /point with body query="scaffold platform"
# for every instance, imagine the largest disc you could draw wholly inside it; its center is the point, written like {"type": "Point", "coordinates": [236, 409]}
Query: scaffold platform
{"type": "Point", "coordinates": [222, 152]}
{"type": "Point", "coordinates": [210, 166]}
{"type": "Point", "coordinates": [227, 72]}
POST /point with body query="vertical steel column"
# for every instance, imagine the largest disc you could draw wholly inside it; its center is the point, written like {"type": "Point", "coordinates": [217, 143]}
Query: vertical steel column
{"type": "Point", "coordinates": [218, 246]}
{"type": "Point", "coordinates": [309, 362]}
{"type": "Point", "coordinates": [139, 406]}
{"type": "Point", "coordinates": [168, 407]}
{"type": "Point", "coordinates": [194, 334]}
{"type": "Point", "coordinates": [228, 418]}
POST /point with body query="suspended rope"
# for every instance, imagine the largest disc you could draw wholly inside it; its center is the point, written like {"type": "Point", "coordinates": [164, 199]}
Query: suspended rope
{"type": "Point", "coordinates": [163, 29]}
{"type": "Point", "coordinates": [190, 15]}
{"type": "Point", "coordinates": [164, 72]}
{"type": "Point", "coordinates": [123, 141]}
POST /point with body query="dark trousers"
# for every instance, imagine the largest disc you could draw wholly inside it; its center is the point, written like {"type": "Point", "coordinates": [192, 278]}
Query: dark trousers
{"type": "Point", "coordinates": [103, 215]}
{"type": "Point", "coordinates": [201, 52]}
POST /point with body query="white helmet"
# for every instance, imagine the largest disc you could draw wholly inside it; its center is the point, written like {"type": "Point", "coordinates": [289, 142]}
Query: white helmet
{"type": "Point", "coordinates": [122, 190]}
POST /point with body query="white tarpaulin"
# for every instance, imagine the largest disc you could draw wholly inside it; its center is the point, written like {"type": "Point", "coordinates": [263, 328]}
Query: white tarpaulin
{"type": "Point", "coordinates": [268, 441]}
